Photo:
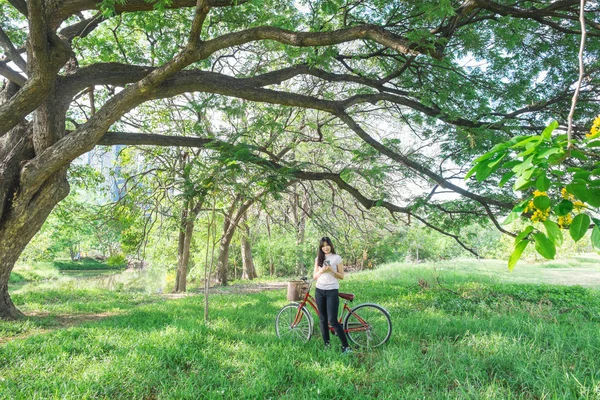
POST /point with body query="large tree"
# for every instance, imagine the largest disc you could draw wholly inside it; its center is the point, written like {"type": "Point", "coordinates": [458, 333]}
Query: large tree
{"type": "Point", "coordinates": [461, 75]}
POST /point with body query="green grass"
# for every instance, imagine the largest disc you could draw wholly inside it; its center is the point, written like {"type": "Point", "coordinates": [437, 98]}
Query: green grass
{"type": "Point", "coordinates": [460, 334]}
{"type": "Point", "coordinates": [51, 270]}
{"type": "Point", "coordinates": [37, 271]}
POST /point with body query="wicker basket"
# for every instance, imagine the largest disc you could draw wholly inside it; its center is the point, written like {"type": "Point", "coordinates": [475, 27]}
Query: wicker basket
{"type": "Point", "coordinates": [296, 290]}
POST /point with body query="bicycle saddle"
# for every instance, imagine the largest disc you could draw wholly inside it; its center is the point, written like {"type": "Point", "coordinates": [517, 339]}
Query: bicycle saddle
{"type": "Point", "coordinates": [346, 296]}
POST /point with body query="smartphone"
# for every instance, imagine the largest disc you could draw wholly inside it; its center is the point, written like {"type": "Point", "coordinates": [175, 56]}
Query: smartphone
{"type": "Point", "coordinates": [327, 263]}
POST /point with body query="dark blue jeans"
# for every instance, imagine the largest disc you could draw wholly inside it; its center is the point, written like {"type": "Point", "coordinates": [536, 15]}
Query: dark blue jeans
{"type": "Point", "coordinates": [328, 304]}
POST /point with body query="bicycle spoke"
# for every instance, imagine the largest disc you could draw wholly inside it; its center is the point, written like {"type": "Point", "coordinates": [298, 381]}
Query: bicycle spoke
{"type": "Point", "coordinates": [284, 324]}
{"type": "Point", "coordinates": [368, 326]}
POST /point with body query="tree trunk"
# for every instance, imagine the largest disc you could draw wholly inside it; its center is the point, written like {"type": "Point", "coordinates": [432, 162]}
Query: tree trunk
{"type": "Point", "coordinates": [23, 209]}
{"type": "Point", "coordinates": [300, 231]}
{"type": "Point", "coordinates": [271, 261]}
{"type": "Point", "coordinates": [231, 222]}
{"type": "Point", "coordinates": [249, 271]}
{"type": "Point", "coordinates": [185, 241]}
{"type": "Point", "coordinates": [21, 221]}
{"type": "Point", "coordinates": [8, 310]}
{"type": "Point", "coordinates": [223, 260]}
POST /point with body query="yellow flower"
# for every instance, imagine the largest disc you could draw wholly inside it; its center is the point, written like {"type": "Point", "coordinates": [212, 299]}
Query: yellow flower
{"type": "Point", "coordinates": [595, 130]}
{"type": "Point", "coordinates": [530, 207]}
{"type": "Point", "coordinates": [565, 221]}
{"type": "Point", "coordinates": [566, 195]}
{"type": "Point", "coordinates": [578, 205]}
{"type": "Point", "coordinates": [537, 193]}
{"type": "Point", "coordinates": [539, 215]}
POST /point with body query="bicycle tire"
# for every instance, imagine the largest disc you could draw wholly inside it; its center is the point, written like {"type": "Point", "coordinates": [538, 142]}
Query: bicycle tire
{"type": "Point", "coordinates": [285, 318]}
{"type": "Point", "coordinates": [377, 330]}
{"type": "Point", "coordinates": [310, 317]}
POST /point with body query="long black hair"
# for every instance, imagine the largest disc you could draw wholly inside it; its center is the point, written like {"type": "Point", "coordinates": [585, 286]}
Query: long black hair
{"type": "Point", "coordinates": [320, 253]}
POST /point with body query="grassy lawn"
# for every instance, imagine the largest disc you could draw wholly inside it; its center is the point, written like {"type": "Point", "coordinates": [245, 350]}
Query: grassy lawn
{"type": "Point", "coordinates": [462, 329]}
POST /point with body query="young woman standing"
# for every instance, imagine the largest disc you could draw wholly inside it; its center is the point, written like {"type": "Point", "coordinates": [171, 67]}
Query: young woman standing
{"type": "Point", "coordinates": [328, 271]}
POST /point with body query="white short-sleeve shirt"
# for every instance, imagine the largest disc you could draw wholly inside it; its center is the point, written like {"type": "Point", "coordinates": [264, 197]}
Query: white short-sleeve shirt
{"type": "Point", "coordinates": [327, 281]}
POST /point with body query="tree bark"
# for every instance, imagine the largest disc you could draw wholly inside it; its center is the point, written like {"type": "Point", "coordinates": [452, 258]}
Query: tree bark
{"type": "Point", "coordinates": [271, 261]}
{"type": "Point", "coordinates": [223, 260]}
{"type": "Point", "coordinates": [185, 241]}
{"type": "Point", "coordinates": [231, 222]}
{"type": "Point", "coordinates": [23, 210]}
{"type": "Point", "coordinates": [21, 221]}
{"type": "Point", "coordinates": [300, 230]}
{"type": "Point", "coordinates": [249, 271]}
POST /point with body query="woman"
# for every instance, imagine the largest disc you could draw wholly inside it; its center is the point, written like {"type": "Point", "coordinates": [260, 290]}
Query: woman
{"type": "Point", "coordinates": [328, 271]}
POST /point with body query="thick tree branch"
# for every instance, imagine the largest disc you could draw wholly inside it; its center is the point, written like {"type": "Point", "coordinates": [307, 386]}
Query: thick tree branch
{"type": "Point", "coordinates": [147, 139]}
{"type": "Point", "coordinates": [216, 83]}
{"type": "Point", "coordinates": [202, 9]}
{"type": "Point", "coordinates": [541, 15]}
{"type": "Point", "coordinates": [11, 74]}
{"type": "Point", "coordinates": [48, 53]}
{"type": "Point", "coordinates": [81, 28]}
{"type": "Point", "coordinates": [414, 165]}
{"type": "Point", "coordinates": [10, 49]}
{"type": "Point", "coordinates": [20, 5]}
{"type": "Point", "coordinates": [315, 39]}
{"type": "Point", "coordinates": [68, 8]}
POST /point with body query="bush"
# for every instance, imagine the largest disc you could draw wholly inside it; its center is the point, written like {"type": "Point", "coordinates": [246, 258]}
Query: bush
{"type": "Point", "coordinates": [117, 260]}
{"type": "Point", "coordinates": [85, 264]}
{"type": "Point", "coordinates": [14, 278]}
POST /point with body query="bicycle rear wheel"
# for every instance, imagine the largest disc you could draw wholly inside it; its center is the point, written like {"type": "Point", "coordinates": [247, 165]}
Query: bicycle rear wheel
{"type": "Point", "coordinates": [285, 326]}
{"type": "Point", "coordinates": [368, 325]}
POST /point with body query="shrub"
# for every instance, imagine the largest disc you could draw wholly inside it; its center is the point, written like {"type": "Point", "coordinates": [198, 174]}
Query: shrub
{"type": "Point", "coordinates": [117, 260]}
{"type": "Point", "coordinates": [86, 264]}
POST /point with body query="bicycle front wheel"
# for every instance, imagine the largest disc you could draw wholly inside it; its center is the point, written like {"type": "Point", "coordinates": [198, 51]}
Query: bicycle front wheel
{"type": "Point", "coordinates": [294, 323]}
{"type": "Point", "coordinates": [368, 325]}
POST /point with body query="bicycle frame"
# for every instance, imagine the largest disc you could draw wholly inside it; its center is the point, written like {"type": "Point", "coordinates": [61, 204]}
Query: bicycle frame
{"type": "Point", "coordinates": [346, 310]}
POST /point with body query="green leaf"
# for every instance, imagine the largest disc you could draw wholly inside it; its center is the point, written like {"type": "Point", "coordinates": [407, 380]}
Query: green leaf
{"type": "Point", "coordinates": [523, 234]}
{"type": "Point", "coordinates": [584, 175]}
{"type": "Point", "coordinates": [579, 190]}
{"type": "Point", "coordinates": [496, 149]}
{"type": "Point", "coordinates": [328, 7]}
{"type": "Point", "coordinates": [542, 203]}
{"type": "Point", "coordinates": [516, 254]}
{"type": "Point", "coordinates": [549, 152]}
{"type": "Point", "coordinates": [505, 178]}
{"type": "Point", "coordinates": [547, 133]}
{"type": "Point", "coordinates": [488, 167]}
{"type": "Point", "coordinates": [554, 232]}
{"type": "Point", "coordinates": [563, 208]}
{"type": "Point", "coordinates": [511, 217]}
{"type": "Point", "coordinates": [346, 174]}
{"type": "Point", "coordinates": [578, 154]}
{"type": "Point", "coordinates": [596, 238]}
{"type": "Point", "coordinates": [579, 226]}
{"type": "Point", "coordinates": [525, 165]}
{"type": "Point", "coordinates": [594, 199]}
{"type": "Point", "coordinates": [475, 168]}
{"type": "Point", "coordinates": [524, 142]}
{"type": "Point", "coordinates": [544, 246]}
{"type": "Point", "coordinates": [542, 183]}
{"type": "Point", "coordinates": [595, 143]}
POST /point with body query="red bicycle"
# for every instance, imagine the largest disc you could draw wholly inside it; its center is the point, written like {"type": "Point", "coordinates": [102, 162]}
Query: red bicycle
{"type": "Point", "coordinates": [366, 325]}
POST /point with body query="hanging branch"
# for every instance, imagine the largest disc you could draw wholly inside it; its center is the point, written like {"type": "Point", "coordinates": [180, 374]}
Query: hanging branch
{"type": "Point", "coordinates": [581, 71]}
